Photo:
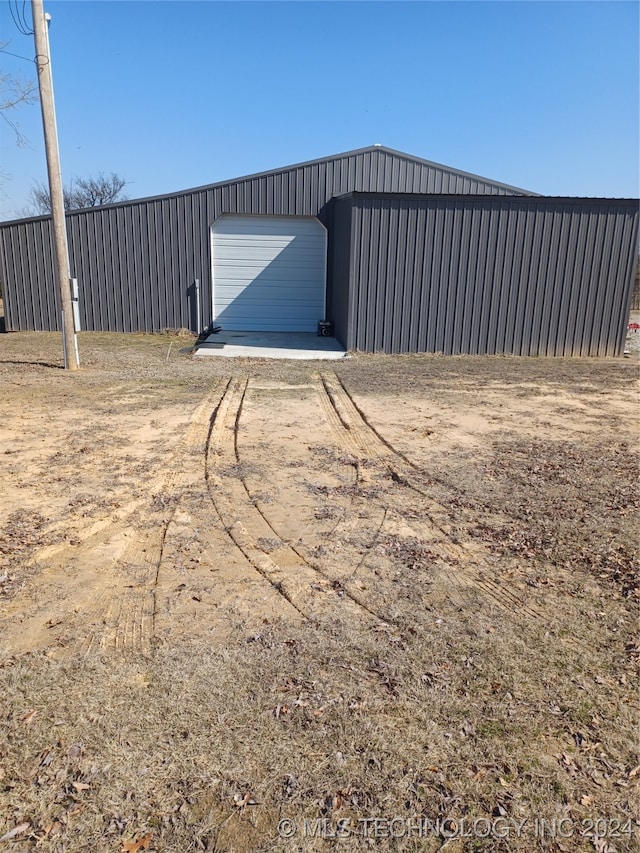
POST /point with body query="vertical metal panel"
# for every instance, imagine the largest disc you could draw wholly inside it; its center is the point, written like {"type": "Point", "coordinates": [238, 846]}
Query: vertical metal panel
{"type": "Point", "coordinates": [481, 245]}
{"type": "Point", "coordinates": [457, 303]}
{"type": "Point", "coordinates": [621, 302]}
{"type": "Point", "coordinates": [499, 274]}
{"type": "Point", "coordinates": [512, 335]}
{"type": "Point", "coordinates": [503, 273]}
{"type": "Point", "coordinates": [545, 265]}
{"type": "Point", "coordinates": [135, 261]}
{"type": "Point", "coordinates": [600, 291]}
{"type": "Point", "coordinates": [28, 277]}
{"type": "Point", "coordinates": [337, 221]}
{"type": "Point", "coordinates": [567, 273]}
{"type": "Point", "coordinates": [356, 320]}
{"type": "Point", "coordinates": [390, 318]}
{"type": "Point", "coordinates": [557, 284]}
{"type": "Point", "coordinates": [593, 270]}
{"type": "Point", "coordinates": [415, 279]}
{"type": "Point", "coordinates": [402, 224]}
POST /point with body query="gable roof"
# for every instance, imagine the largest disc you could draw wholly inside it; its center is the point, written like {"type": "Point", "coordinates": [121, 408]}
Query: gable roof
{"type": "Point", "coordinates": [369, 149]}
{"type": "Point", "coordinates": [374, 168]}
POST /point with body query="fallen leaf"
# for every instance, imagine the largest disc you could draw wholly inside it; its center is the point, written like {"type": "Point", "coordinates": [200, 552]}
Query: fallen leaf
{"type": "Point", "coordinates": [74, 751]}
{"type": "Point", "coordinates": [474, 772]}
{"type": "Point", "coordinates": [568, 763]}
{"type": "Point", "coordinates": [28, 716]}
{"type": "Point", "coordinates": [17, 830]}
{"type": "Point", "coordinates": [586, 800]}
{"type": "Point", "coordinates": [633, 773]}
{"type": "Point", "coordinates": [240, 802]}
{"type": "Point", "coordinates": [135, 846]}
{"type": "Point", "coordinates": [467, 728]}
{"type": "Point", "coordinates": [598, 778]}
{"type": "Point", "coordinates": [81, 786]}
{"type": "Point", "coordinates": [601, 845]}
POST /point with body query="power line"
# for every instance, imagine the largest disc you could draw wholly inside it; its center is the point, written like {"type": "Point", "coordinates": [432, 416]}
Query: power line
{"type": "Point", "coordinates": [19, 18]}
{"type": "Point", "coordinates": [24, 18]}
{"type": "Point", "coordinates": [17, 55]}
{"type": "Point", "coordinates": [16, 17]}
{"type": "Point", "coordinates": [15, 21]}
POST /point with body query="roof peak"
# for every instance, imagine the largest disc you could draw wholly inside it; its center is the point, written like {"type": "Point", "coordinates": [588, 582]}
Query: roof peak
{"type": "Point", "coordinates": [377, 148]}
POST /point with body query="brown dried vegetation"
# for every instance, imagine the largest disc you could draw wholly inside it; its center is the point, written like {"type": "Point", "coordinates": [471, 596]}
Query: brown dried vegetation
{"type": "Point", "coordinates": [222, 610]}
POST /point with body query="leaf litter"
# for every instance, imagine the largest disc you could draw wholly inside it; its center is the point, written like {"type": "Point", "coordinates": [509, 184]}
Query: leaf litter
{"type": "Point", "coordinates": [455, 712]}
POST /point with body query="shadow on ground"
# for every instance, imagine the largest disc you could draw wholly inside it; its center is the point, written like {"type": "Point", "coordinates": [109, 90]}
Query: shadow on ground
{"type": "Point", "coordinates": [31, 363]}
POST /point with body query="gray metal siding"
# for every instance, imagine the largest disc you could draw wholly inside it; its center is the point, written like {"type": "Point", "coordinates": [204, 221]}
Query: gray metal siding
{"type": "Point", "coordinates": [136, 262]}
{"type": "Point", "coordinates": [480, 275]}
{"type": "Point", "coordinates": [338, 268]}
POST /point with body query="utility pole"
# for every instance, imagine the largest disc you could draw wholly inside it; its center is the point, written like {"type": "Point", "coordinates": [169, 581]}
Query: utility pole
{"type": "Point", "coordinates": [45, 82]}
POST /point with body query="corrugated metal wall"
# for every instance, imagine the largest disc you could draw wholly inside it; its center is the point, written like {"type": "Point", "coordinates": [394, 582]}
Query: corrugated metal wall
{"type": "Point", "coordinates": [136, 262]}
{"type": "Point", "coordinates": [526, 276]}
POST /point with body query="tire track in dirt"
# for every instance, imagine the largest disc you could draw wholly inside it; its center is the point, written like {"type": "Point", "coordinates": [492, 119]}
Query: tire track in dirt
{"type": "Point", "coordinates": [100, 593]}
{"type": "Point", "coordinates": [129, 601]}
{"type": "Point", "coordinates": [121, 611]}
{"type": "Point", "coordinates": [312, 593]}
{"type": "Point", "coordinates": [353, 434]}
{"type": "Point", "coordinates": [350, 522]}
{"type": "Point", "coordinates": [162, 484]}
{"type": "Point", "coordinates": [353, 429]}
{"type": "Point", "coordinates": [350, 446]}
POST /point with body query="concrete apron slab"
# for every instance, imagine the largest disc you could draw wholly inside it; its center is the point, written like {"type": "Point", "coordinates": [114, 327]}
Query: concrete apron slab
{"type": "Point", "coordinates": [300, 345]}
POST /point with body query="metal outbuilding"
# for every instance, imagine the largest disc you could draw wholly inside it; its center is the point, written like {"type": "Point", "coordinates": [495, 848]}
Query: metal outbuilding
{"type": "Point", "coordinates": [400, 254]}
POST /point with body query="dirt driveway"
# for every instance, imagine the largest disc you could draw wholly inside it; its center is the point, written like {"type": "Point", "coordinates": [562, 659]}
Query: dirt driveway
{"type": "Point", "coordinates": [240, 594]}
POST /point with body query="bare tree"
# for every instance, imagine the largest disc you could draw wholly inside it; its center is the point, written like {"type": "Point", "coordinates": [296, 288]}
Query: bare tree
{"type": "Point", "coordinates": [14, 92]}
{"type": "Point", "coordinates": [79, 193]}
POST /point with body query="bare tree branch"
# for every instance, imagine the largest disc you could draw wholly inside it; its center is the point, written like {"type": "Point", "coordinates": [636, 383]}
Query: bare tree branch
{"type": "Point", "coordinates": [15, 92]}
{"type": "Point", "coordinates": [95, 191]}
{"type": "Point", "coordinates": [79, 193]}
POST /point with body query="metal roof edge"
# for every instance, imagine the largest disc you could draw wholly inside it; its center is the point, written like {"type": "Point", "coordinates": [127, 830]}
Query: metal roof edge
{"type": "Point", "coordinates": [483, 197]}
{"type": "Point", "coordinates": [204, 187]}
{"type": "Point", "coordinates": [453, 170]}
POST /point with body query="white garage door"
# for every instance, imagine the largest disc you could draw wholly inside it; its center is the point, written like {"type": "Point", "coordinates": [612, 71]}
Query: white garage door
{"type": "Point", "coordinates": [269, 273]}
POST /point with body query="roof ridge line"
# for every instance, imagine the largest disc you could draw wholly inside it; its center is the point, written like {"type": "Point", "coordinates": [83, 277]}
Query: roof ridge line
{"type": "Point", "coordinates": [412, 158]}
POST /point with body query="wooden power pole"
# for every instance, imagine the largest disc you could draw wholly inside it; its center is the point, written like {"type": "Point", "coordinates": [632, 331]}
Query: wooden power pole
{"type": "Point", "coordinates": [45, 82]}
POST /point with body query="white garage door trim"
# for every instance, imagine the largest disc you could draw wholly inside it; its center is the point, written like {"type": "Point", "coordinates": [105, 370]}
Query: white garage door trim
{"type": "Point", "coordinates": [269, 272]}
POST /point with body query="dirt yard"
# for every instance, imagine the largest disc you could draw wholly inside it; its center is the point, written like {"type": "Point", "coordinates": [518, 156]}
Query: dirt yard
{"type": "Point", "coordinates": [383, 604]}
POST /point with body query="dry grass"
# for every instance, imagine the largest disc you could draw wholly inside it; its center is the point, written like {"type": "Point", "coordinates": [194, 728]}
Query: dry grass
{"type": "Point", "coordinates": [450, 719]}
{"type": "Point", "coordinates": [459, 709]}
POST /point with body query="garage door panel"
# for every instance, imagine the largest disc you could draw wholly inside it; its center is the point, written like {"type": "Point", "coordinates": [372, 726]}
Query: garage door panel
{"type": "Point", "coordinates": [285, 275]}
{"type": "Point", "coordinates": [303, 258]}
{"type": "Point", "coordinates": [269, 273]}
{"type": "Point", "coordinates": [286, 311]}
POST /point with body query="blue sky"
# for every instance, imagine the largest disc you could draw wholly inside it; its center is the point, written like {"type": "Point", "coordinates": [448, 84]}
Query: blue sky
{"type": "Point", "coordinates": [543, 95]}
